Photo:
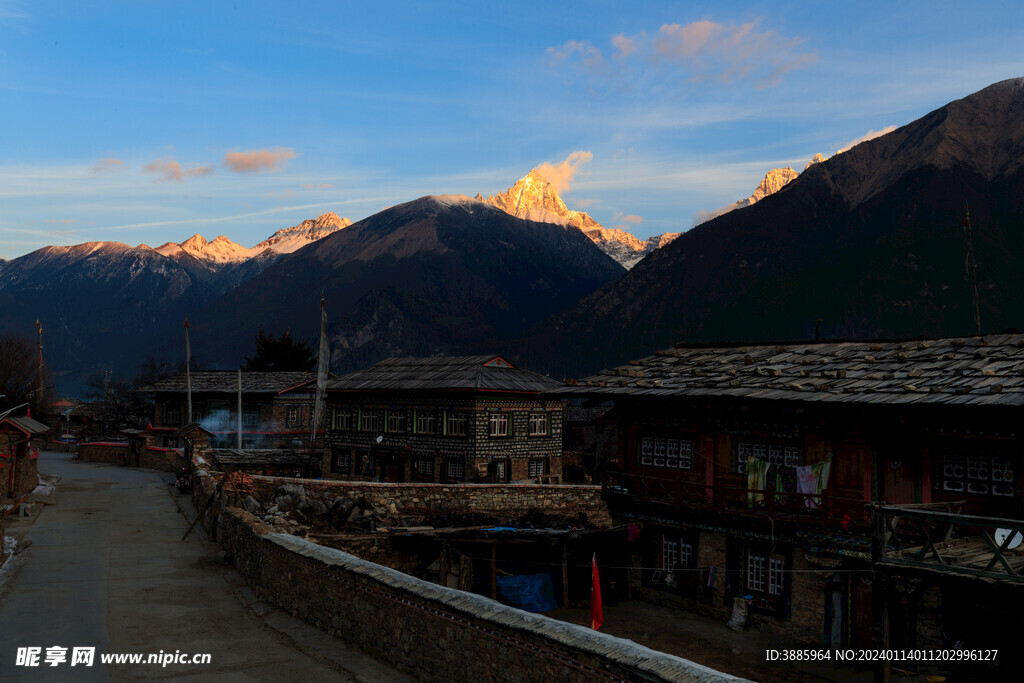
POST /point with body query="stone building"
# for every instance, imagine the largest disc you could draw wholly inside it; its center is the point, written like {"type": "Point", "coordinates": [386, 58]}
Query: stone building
{"type": "Point", "coordinates": [457, 419]}
{"type": "Point", "coordinates": [751, 470]}
{"type": "Point", "coordinates": [277, 407]}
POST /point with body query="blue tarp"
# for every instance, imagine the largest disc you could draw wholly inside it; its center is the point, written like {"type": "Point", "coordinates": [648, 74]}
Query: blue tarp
{"type": "Point", "coordinates": [530, 592]}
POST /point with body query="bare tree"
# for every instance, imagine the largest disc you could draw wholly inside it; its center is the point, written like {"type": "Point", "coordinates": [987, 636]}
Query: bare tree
{"type": "Point", "coordinates": [19, 375]}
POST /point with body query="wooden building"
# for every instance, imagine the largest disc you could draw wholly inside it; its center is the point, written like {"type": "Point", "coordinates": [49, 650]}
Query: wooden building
{"type": "Point", "coordinates": [277, 407]}
{"type": "Point", "coordinates": [21, 438]}
{"type": "Point", "coordinates": [750, 469]}
{"type": "Point", "coordinates": [457, 419]}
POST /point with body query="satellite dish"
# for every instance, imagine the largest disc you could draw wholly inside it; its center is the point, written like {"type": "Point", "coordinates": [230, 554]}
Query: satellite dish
{"type": "Point", "coordinates": [1002, 534]}
{"type": "Point", "coordinates": [381, 438]}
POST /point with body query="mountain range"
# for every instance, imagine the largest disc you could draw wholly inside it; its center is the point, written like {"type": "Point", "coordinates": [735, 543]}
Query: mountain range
{"type": "Point", "coordinates": [870, 241]}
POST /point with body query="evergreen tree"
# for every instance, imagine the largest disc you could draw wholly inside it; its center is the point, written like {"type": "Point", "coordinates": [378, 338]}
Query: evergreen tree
{"type": "Point", "coordinates": [280, 353]}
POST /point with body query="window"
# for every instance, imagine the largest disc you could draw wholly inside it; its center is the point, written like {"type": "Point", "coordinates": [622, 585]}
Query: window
{"type": "Point", "coordinates": [457, 424]}
{"type": "Point", "coordinates": [677, 551]}
{"type": "Point", "coordinates": [765, 573]}
{"type": "Point", "coordinates": [771, 453]}
{"type": "Point", "coordinates": [538, 424]}
{"type": "Point", "coordinates": [498, 424]}
{"type": "Point", "coordinates": [423, 469]}
{"type": "Point", "coordinates": [455, 469]}
{"type": "Point", "coordinates": [250, 416]}
{"type": "Point", "coordinates": [293, 415]}
{"type": "Point", "coordinates": [341, 460]}
{"type": "Point", "coordinates": [981, 475]}
{"type": "Point", "coordinates": [369, 421]}
{"type": "Point", "coordinates": [537, 467]}
{"type": "Point", "coordinates": [500, 470]}
{"type": "Point", "coordinates": [657, 451]}
{"type": "Point", "coordinates": [395, 421]}
{"type": "Point", "coordinates": [426, 423]}
{"type": "Point", "coordinates": [172, 413]}
{"type": "Point", "coordinates": [341, 419]}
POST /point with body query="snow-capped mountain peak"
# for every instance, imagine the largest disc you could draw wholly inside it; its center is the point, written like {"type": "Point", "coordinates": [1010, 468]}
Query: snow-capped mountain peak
{"type": "Point", "coordinates": [287, 240]}
{"type": "Point", "coordinates": [534, 198]}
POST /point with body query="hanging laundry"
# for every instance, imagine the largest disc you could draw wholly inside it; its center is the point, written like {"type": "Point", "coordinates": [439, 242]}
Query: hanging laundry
{"type": "Point", "coordinates": [756, 471]}
{"type": "Point", "coordinates": [633, 532]}
{"type": "Point", "coordinates": [813, 480]}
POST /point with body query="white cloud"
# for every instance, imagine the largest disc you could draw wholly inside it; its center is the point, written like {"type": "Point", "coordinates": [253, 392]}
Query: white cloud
{"type": "Point", "coordinates": [560, 175]}
{"type": "Point", "coordinates": [870, 135]}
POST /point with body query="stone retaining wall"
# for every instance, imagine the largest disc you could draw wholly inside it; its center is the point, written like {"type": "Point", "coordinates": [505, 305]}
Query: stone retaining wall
{"type": "Point", "coordinates": [507, 502]}
{"type": "Point", "coordinates": [432, 632]}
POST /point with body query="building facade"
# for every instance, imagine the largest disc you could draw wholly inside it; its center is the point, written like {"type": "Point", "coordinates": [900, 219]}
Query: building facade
{"type": "Point", "coordinates": [277, 408]}
{"type": "Point", "coordinates": [751, 471]}
{"type": "Point", "coordinates": [458, 419]}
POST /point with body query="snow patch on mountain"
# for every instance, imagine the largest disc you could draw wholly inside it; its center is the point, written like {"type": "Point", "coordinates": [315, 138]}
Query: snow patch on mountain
{"type": "Point", "coordinates": [287, 240]}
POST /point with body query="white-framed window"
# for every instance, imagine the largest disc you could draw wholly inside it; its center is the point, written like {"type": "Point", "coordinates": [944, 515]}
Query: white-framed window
{"type": "Point", "coordinates": [369, 420]}
{"type": "Point", "coordinates": [537, 467]}
{"type": "Point", "coordinates": [498, 424]}
{"type": "Point", "coordinates": [250, 416]}
{"type": "Point", "coordinates": [765, 573]}
{"type": "Point", "coordinates": [673, 453]}
{"type": "Point", "coordinates": [669, 552]}
{"type": "Point", "coordinates": [341, 460]}
{"type": "Point", "coordinates": [500, 470]}
{"type": "Point", "coordinates": [456, 424]}
{"type": "Point", "coordinates": [426, 422]}
{"type": "Point", "coordinates": [425, 469]}
{"type": "Point", "coordinates": [538, 424]}
{"type": "Point", "coordinates": [341, 419]}
{"type": "Point", "coordinates": [455, 469]}
{"type": "Point", "coordinates": [293, 416]}
{"type": "Point", "coordinates": [771, 453]}
{"type": "Point", "coordinates": [976, 474]}
{"type": "Point", "coordinates": [396, 421]}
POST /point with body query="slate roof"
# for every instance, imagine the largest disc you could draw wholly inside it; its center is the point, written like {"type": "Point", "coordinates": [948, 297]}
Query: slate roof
{"type": "Point", "coordinates": [26, 424]}
{"type": "Point", "coordinates": [986, 370]}
{"type": "Point", "coordinates": [270, 457]}
{"type": "Point", "coordinates": [226, 382]}
{"type": "Point", "coordinates": [457, 373]}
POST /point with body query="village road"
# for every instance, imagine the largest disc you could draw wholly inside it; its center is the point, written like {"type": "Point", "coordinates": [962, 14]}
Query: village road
{"type": "Point", "coordinates": [107, 569]}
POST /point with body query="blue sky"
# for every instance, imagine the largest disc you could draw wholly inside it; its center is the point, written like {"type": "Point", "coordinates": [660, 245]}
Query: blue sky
{"type": "Point", "coordinates": [147, 122]}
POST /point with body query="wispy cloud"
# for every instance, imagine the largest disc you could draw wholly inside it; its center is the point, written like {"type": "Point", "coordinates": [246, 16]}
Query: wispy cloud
{"type": "Point", "coordinates": [870, 135]}
{"type": "Point", "coordinates": [59, 221]}
{"type": "Point", "coordinates": [560, 175]}
{"type": "Point", "coordinates": [253, 214]}
{"type": "Point", "coordinates": [105, 165]}
{"type": "Point", "coordinates": [698, 52]}
{"type": "Point", "coordinates": [169, 169]}
{"type": "Point", "coordinates": [259, 160]}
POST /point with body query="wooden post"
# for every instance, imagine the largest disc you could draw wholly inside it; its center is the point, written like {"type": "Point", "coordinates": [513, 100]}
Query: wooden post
{"type": "Point", "coordinates": [443, 563]}
{"type": "Point", "coordinates": [565, 573]}
{"type": "Point", "coordinates": [494, 571]}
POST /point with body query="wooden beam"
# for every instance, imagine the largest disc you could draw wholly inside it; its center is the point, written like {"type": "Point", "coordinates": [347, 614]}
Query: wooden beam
{"type": "Point", "coordinates": [494, 572]}
{"type": "Point", "coordinates": [565, 574]}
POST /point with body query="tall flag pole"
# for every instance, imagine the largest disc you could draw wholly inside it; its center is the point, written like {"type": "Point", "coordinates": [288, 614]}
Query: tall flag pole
{"type": "Point", "coordinates": [323, 361]}
{"type": "Point", "coordinates": [40, 326]}
{"type": "Point", "coordinates": [596, 609]}
{"type": "Point", "coordinates": [972, 268]}
{"type": "Point", "coordinates": [188, 372]}
{"type": "Point", "coordinates": [239, 408]}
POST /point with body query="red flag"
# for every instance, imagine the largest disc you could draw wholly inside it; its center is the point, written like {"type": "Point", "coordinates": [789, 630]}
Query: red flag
{"type": "Point", "coordinates": [596, 613]}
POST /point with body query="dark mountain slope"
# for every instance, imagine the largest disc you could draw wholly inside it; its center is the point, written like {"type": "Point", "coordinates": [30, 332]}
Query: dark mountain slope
{"type": "Point", "coordinates": [436, 275]}
{"type": "Point", "coordinates": [871, 241]}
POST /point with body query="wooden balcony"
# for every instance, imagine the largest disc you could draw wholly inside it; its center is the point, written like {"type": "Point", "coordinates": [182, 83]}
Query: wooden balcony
{"type": "Point", "coordinates": [939, 538]}
{"type": "Point", "coordinates": [821, 509]}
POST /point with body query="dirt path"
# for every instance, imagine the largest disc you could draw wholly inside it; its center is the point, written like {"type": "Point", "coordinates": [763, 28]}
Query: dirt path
{"type": "Point", "coordinates": [107, 569]}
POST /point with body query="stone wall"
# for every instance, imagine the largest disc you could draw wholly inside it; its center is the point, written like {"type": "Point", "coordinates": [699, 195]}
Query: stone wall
{"type": "Point", "coordinates": [102, 451]}
{"type": "Point", "coordinates": [163, 459]}
{"type": "Point", "coordinates": [432, 632]}
{"type": "Point", "coordinates": [506, 502]}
